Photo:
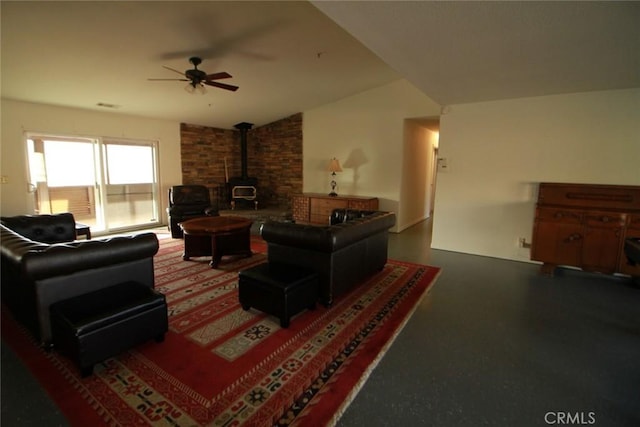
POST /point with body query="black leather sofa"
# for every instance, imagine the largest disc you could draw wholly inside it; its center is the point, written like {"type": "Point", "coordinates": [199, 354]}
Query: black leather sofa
{"type": "Point", "coordinates": [36, 274]}
{"type": "Point", "coordinates": [343, 254]}
{"type": "Point", "coordinates": [188, 202]}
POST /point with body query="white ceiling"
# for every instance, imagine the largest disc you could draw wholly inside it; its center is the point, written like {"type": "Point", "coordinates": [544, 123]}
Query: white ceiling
{"type": "Point", "coordinates": [288, 57]}
{"type": "Point", "coordinates": [462, 52]}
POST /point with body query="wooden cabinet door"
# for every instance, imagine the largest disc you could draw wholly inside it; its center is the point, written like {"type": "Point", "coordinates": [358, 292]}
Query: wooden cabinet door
{"type": "Point", "coordinates": [600, 250]}
{"type": "Point", "coordinates": [364, 204]}
{"type": "Point", "coordinates": [603, 237]}
{"type": "Point", "coordinates": [321, 209]}
{"type": "Point", "coordinates": [557, 243]}
{"type": "Point", "coordinates": [558, 235]}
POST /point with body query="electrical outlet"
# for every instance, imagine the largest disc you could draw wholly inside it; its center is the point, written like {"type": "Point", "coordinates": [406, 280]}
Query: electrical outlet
{"type": "Point", "coordinates": [522, 242]}
{"type": "Point", "coordinates": [4, 179]}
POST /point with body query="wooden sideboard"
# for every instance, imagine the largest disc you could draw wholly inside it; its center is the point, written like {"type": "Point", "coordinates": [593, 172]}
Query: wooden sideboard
{"type": "Point", "coordinates": [584, 226]}
{"type": "Point", "coordinates": [315, 208]}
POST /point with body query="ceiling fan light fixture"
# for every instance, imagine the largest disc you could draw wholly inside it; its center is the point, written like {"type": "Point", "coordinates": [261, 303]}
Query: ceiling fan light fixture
{"type": "Point", "coordinates": [194, 87]}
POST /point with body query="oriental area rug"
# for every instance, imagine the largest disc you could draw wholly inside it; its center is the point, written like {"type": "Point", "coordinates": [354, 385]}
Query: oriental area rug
{"type": "Point", "coordinates": [222, 366]}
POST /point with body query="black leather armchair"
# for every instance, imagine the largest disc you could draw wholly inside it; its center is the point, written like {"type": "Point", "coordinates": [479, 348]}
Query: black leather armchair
{"type": "Point", "coordinates": [187, 202]}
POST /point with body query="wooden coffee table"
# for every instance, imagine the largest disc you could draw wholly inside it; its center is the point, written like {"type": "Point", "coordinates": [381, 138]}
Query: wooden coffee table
{"type": "Point", "coordinates": [216, 236]}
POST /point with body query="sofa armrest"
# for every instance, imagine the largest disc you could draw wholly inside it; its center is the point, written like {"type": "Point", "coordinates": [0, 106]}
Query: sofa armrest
{"type": "Point", "coordinates": [14, 246]}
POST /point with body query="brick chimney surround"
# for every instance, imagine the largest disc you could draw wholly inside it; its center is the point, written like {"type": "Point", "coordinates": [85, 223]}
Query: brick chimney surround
{"type": "Point", "coordinates": [274, 157]}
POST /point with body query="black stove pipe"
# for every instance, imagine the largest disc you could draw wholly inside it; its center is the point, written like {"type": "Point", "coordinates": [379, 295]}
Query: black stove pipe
{"type": "Point", "coordinates": [243, 128]}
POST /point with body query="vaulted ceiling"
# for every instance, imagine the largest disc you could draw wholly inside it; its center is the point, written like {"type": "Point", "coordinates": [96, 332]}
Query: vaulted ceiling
{"type": "Point", "coordinates": [289, 57]}
{"type": "Point", "coordinates": [463, 52]}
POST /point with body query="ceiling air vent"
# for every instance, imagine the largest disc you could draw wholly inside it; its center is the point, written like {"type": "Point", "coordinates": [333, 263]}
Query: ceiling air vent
{"type": "Point", "coordinates": [107, 105]}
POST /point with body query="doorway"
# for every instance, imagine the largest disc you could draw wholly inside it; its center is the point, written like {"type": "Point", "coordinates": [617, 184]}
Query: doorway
{"type": "Point", "coordinates": [107, 184]}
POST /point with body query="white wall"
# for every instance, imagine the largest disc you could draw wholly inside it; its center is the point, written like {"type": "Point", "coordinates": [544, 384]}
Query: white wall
{"type": "Point", "coordinates": [499, 151]}
{"type": "Point", "coordinates": [21, 117]}
{"type": "Point", "coordinates": [366, 133]}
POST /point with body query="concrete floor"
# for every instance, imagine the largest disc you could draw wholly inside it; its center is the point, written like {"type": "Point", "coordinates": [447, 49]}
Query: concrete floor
{"type": "Point", "coordinates": [493, 343]}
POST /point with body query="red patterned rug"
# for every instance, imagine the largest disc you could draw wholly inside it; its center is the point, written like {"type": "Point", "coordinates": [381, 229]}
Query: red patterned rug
{"type": "Point", "coordinates": [222, 366]}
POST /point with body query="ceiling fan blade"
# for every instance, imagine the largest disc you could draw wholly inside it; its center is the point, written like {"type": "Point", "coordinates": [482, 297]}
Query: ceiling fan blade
{"type": "Point", "coordinates": [217, 76]}
{"type": "Point", "coordinates": [221, 85]}
{"type": "Point", "coordinates": [175, 71]}
{"type": "Point", "coordinates": [173, 80]}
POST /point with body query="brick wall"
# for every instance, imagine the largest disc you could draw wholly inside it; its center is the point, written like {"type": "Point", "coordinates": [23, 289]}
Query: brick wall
{"type": "Point", "coordinates": [274, 153]}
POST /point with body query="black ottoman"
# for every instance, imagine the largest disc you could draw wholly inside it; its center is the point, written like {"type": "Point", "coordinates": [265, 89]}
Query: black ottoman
{"type": "Point", "coordinates": [92, 327]}
{"type": "Point", "coordinates": [278, 289]}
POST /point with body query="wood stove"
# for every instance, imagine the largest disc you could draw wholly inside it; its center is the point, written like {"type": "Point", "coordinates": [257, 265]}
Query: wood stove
{"type": "Point", "coordinates": [243, 192]}
{"type": "Point", "coordinates": [243, 189]}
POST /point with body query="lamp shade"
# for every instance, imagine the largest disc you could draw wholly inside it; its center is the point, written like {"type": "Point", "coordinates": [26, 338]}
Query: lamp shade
{"type": "Point", "coordinates": [334, 165]}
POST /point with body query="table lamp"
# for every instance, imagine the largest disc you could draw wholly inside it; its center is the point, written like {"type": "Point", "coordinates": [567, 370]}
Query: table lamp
{"type": "Point", "coordinates": [334, 166]}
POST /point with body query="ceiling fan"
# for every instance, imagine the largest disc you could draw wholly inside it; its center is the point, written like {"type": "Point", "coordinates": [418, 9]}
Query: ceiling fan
{"type": "Point", "coordinates": [198, 79]}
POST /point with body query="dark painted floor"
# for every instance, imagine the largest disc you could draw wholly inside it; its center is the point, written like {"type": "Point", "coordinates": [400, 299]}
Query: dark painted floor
{"type": "Point", "coordinates": [493, 343]}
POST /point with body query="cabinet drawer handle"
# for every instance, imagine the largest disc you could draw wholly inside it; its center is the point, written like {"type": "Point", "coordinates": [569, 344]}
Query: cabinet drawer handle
{"type": "Point", "coordinates": [605, 219]}
{"type": "Point", "coordinates": [575, 236]}
{"type": "Point", "coordinates": [559, 215]}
